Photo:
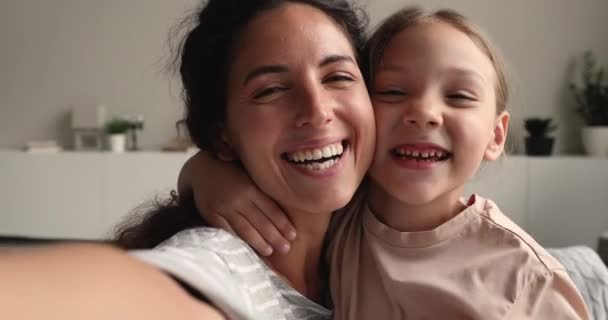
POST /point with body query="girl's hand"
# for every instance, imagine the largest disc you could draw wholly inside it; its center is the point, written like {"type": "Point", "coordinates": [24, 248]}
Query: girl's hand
{"type": "Point", "coordinates": [228, 199]}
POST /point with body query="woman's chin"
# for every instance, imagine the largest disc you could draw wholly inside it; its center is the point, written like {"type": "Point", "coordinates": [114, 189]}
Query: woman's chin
{"type": "Point", "coordinates": [330, 201]}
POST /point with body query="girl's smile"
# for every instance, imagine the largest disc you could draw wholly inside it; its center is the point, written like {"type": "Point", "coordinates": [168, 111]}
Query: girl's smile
{"type": "Point", "coordinates": [421, 155]}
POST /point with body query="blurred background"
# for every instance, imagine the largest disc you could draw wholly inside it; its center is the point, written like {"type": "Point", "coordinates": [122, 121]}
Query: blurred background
{"type": "Point", "coordinates": [72, 70]}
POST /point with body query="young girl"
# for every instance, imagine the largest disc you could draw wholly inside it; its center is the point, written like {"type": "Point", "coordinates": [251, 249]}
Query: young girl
{"type": "Point", "coordinates": [413, 249]}
{"type": "Point", "coordinates": [439, 96]}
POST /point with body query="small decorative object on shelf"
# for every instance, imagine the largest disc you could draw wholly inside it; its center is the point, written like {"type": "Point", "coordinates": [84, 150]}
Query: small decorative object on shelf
{"type": "Point", "coordinates": [602, 247]}
{"type": "Point", "coordinates": [117, 129]}
{"type": "Point", "coordinates": [87, 127]}
{"type": "Point", "coordinates": [136, 124]}
{"type": "Point", "coordinates": [47, 146]}
{"type": "Point", "coordinates": [538, 143]}
{"type": "Point", "coordinates": [181, 142]}
{"type": "Point", "coordinates": [592, 100]}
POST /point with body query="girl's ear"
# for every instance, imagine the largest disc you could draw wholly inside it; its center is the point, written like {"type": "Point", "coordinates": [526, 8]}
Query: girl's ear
{"type": "Point", "coordinates": [224, 150]}
{"type": "Point", "coordinates": [497, 145]}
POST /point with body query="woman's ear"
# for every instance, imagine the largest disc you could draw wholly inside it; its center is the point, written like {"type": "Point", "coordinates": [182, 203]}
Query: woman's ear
{"type": "Point", "coordinates": [223, 147]}
{"type": "Point", "coordinates": [497, 145]}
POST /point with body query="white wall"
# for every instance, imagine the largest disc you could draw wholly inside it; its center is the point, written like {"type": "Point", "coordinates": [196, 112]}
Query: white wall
{"type": "Point", "coordinates": [84, 52]}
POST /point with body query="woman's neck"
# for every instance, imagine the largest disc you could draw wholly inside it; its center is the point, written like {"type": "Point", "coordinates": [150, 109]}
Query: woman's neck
{"type": "Point", "coordinates": [300, 266]}
{"type": "Point", "coordinates": [413, 217]}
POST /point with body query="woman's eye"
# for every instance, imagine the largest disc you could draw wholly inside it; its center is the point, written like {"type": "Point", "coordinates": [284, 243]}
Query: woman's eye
{"type": "Point", "coordinates": [339, 78]}
{"type": "Point", "coordinates": [267, 92]}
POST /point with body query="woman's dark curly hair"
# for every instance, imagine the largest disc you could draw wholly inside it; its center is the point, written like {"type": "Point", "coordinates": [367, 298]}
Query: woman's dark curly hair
{"type": "Point", "coordinates": [203, 58]}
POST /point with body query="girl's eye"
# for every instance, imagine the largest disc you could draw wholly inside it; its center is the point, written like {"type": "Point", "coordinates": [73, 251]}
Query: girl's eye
{"type": "Point", "coordinates": [266, 92]}
{"type": "Point", "coordinates": [392, 92]}
{"type": "Point", "coordinates": [393, 95]}
{"type": "Point", "coordinates": [461, 96]}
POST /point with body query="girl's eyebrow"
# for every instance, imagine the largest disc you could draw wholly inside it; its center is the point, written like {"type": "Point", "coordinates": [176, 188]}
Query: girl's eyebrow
{"type": "Point", "coordinates": [458, 71]}
{"type": "Point", "coordinates": [468, 73]}
{"type": "Point", "coordinates": [391, 68]}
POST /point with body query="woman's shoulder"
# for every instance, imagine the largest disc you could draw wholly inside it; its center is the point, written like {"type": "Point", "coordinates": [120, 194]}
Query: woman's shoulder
{"type": "Point", "coordinates": [214, 263]}
{"type": "Point", "coordinates": [204, 237]}
{"type": "Point", "coordinates": [224, 269]}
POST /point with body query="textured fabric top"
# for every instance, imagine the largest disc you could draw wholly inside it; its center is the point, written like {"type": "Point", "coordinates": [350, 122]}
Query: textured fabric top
{"type": "Point", "coordinates": [231, 275]}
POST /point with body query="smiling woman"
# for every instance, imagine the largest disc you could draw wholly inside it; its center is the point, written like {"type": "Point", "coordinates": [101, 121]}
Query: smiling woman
{"type": "Point", "coordinates": [292, 109]}
{"type": "Point", "coordinates": [275, 87]}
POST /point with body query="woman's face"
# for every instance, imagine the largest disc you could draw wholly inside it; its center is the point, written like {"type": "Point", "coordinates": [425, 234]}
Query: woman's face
{"type": "Point", "coordinates": [299, 116]}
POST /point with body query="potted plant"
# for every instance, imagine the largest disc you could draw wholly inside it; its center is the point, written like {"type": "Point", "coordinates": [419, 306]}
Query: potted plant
{"type": "Point", "coordinates": [117, 129]}
{"type": "Point", "coordinates": [592, 100]}
{"type": "Point", "coordinates": [538, 143]}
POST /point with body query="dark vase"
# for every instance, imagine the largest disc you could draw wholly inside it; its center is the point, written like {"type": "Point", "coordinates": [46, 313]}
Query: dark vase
{"type": "Point", "coordinates": [539, 145]}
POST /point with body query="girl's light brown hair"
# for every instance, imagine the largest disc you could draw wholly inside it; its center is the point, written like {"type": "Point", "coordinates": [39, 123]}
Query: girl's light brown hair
{"type": "Point", "coordinates": [412, 16]}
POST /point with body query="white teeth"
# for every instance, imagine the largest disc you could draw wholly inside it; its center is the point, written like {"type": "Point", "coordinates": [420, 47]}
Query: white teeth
{"type": "Point", "coordinates": [317, 154]}
{"type": "Point", "coordinates": [316, 166]}
{"type": "Point", "coordinates": [308, 155]}
{"type": "Point", "coordinates": [298, 156]}
{"type": "Point", "coordinates": [422, 155]}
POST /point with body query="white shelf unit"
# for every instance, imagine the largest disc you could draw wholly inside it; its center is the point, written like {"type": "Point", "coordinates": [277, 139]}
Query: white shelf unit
{"type": "Point", "coordinates": [560, 201]}
{"type": "Point", "coordinates": [79, 194]}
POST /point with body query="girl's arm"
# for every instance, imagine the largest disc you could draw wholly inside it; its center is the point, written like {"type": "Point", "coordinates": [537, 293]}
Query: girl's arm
{"type": "Point", "coordinates": [228, 199]}
{"type": "Point", "coordinates": [90, 282]}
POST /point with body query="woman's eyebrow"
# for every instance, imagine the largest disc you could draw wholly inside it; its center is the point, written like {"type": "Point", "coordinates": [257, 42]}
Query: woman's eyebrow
{"type": "Point", "coordinates": [335, 59]}
{"type": "Point", "coordinates": [277, 68]}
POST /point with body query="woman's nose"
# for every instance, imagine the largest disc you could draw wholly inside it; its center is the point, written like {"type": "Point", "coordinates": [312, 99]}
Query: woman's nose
{"type": "Point", "coordinates": [316, 108]}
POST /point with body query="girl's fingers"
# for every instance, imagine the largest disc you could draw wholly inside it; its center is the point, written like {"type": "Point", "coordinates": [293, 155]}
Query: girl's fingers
{"type": "Point", "coordinates": [218, 221]}
{"type": "Point", "coordinates": [266, 229]}
{"type": "Point", "coordinates": [243, 228]}
{"type": "Point", "coordinates": [275, 214]}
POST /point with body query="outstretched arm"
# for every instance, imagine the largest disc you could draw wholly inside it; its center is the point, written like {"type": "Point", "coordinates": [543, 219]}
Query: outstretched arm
{"type": "Point", "coordinates": [228, 199]}
{"type": "Point", "coordinates": [90, 282]}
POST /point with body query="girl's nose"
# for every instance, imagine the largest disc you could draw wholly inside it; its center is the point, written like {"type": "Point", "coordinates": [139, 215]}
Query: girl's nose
{"type": "Point", "coordinates": [423, 113]}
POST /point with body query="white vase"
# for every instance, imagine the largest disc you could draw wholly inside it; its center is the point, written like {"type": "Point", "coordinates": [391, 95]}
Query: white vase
{"type": "Point", "coordinates": [595, 140]}
{"type": "Point", "coordinates": [118, 142]}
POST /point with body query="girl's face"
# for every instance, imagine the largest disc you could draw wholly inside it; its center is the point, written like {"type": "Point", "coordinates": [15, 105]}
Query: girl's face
{"type": "Point", "coordinates": [435, 107]}
{"type": "Point", "coordinates": [299, 116]}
